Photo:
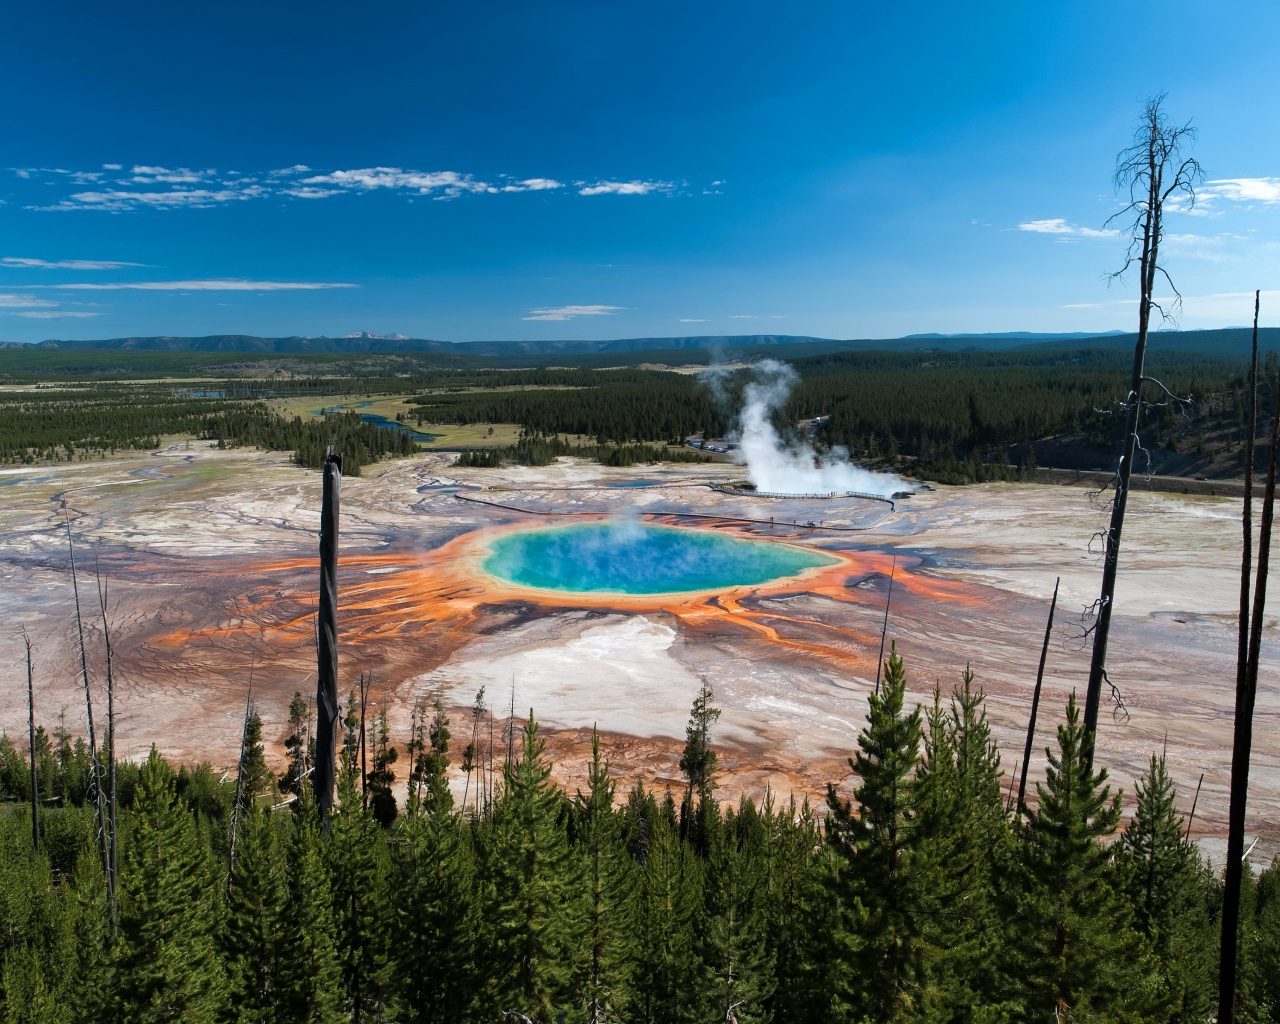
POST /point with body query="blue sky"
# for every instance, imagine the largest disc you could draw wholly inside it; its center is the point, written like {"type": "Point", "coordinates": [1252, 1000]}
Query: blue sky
{"type": "Point", "coordinates": [596, 170]}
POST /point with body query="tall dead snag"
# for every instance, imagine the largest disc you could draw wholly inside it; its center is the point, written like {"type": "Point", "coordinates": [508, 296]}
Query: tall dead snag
{"type": "Point", "coordinates": [112, 846]}
{"type": "Point", "coordinates": [1035, 700]}
{"type": "Point", "coordinates": [95, 767]}
{"type": "Point", "coordinates": [235, 808]}
{"type": "Point", "coordinates": [1246, 693]}
{"type": "Point", "coordinates": [364, 767]}
{"type": "Point", "coordinates": [1153, 172]}
{"type": "Point", "coordinates": [31, 748]}
{"type": "Point", "coordinates": [327, 641]}
{"type": "Point", "coordinates": [884, 626]}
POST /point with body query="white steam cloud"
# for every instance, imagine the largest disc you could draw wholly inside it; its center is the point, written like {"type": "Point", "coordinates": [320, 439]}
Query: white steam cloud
{"type": "Point", "coordinates": [776, 467]}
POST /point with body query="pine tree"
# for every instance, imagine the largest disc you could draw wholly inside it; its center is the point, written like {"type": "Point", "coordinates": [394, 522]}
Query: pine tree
{"type": "Point", "coordinates": [880, 842]}
{"type": "Point", "coordinates": [964, 843]}
{"type": "Point", "coordinates": [358, 867]}
{"type": "Point", "coordinates": [664, 915]}
{"type": "Point", "coordinates": [32, 993]}
{"type": "Point", "coordinates": [1075, 950]}
{"type": "Point", "coordinates": [740, 963]}
{"type": "Point", "coordinates": [382, 801]}
{"type": "Point", "coordinates": [537, 909]}
{"type": "Point", "coordinates": [168, 968]}
{"type": "Point", "coordinates": [802, 919]}
{"type": "Point", "coordinates": [606, 875]}
{"type": "Point", "coordinates": [41, 971]}
{"type": "Point", "coordinates": [698, 761]}
{"type": "Point", "coordinates": [1163, 885]}
{"type": "Point", "coordinates": [430, 771]}
{"type": "Point", "coordinates": [253, 934]}
{"type": "Point", "coordinates": [1266, 945]}
{"type": "Point", "coordinates": [293, 779]}
{"type": "Point", "coordinates": [311, 983]}
{"type": "Point", "coordinates": [434, 923]}
{"type": "Point", "coordinates": [255, 777]}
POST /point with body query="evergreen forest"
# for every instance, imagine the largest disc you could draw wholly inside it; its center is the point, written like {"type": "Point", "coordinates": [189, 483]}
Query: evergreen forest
{"type": "Point", "coordinates": [917, 893]}
{"type": "Point", "coordinates": [954, 417]}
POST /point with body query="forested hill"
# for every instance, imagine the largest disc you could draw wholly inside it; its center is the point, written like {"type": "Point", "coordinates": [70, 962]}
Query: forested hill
{"type": "Point", "coordinates": [298, 345]}
{"type": "Point", "coordinates": [1231, 341]}
{"type": "Point", "coordinates": [922, 894]}
{"type": "Point", "coordinates": [368, 343]}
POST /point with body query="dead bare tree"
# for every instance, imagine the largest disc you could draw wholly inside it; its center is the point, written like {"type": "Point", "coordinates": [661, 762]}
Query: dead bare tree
{"type": "Point", "coordinates": [1195, 802]}
{"type": "Point", "coordinates": [112, 846]}
{"type": "Point", "coordinates": [95, 767]}
{"type": "Point", "coordinates": [884, 626]}
{"type": "Point", "coordinates": [1153, 172]}
{"type": "Point", "coordinates": [235, 808]}
{"type": "Point", "coordinates": [1241, 748]}
{"type": "Point", "coordinates": [1035, 700]}
{"type": "Point", "coordinates": [364, 768]}
{"type": "Point", "coordinates": [31, 740]}
{"type": "Point", "coordinates": [469, 762]}
{"type": "Point", "coordinates": [327, 640]}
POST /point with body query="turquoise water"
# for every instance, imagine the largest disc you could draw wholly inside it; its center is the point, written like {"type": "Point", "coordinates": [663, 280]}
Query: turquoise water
{"type": "Point", "coordinates": [630, 558]}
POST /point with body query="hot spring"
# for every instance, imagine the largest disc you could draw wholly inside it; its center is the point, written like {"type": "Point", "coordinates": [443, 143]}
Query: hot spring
{"type": "Point", "coordinates": [634, 558]}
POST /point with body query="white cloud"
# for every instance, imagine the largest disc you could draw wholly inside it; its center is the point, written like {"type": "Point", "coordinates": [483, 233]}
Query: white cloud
{"type": "Point", "coordinates": [22, 261]}
{"type": "Point", "coordinates": [9, 300]}
{"type": "Point", "coordinates": [421, 182]}
{"type": "Point", "coordinates": [215, 285]}
{"type": "Point", "coordinates": [1215, 248]}
{"type": "Point", "coordinates": [311, 192]}
{"type": "Point", "coordinates": [55, 314]}
{"type": "Point", "coordinates": [533, 185]}
{"type": "Point", "coordinates": [80, 177]}
{"type": "Point", "coordinates": [144, 175]}
{"type": "Point", "coordinates": [569, 312]}
{"type": "Point", "coordinates": [624, 188]}
{"type": "Point", "coordinates": [116, 200]}
{"type": "Point", "coordinates": [1242, 190]}
{"type": "Point", "coordinates": [149, 186]}
{"type": "Point", "coordinates": [743, 316]}
{"type": "Point", "coordinates": [692, 320]}
{"type": "Point", "coordinates": [1058, 226]}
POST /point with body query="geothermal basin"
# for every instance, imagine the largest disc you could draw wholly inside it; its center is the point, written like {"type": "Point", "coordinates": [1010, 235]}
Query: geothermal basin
{"type": "Point", "coordinates": [602, 597]}
{"type": "Point", "coordinates": [628, 557]}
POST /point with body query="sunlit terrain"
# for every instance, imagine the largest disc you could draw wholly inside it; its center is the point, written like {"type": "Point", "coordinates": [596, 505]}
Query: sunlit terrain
{"type": "Point", "coordinates": [210, 563]}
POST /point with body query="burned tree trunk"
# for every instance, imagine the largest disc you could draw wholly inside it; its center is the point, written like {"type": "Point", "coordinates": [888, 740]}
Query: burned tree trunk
{"type": "Point", "coordinates": [112, 845]}
{"type": "Point", "coordinates": [327, 642]}
{"type": "Point", "coordinates": [95, 766]}
{"type": "Point", "coordinates": [1241, 748]}
{"type": "Point", "coordinates": [1035, 700]}
{"type": "Point", "coordinates": [1142, 170]}
{"type": "Point", "coordinates": [31, 740]}
{"type": "Point", "coordinates": [884, 626]}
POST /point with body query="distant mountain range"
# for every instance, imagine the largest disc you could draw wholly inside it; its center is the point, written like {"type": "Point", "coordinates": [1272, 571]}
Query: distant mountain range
{"type": "Point", "coordinates": [1226, 341]}
{"type": "Point", "coordinates": [366, 341]}
{"type": "Point", "coordinates": [1021, 335]}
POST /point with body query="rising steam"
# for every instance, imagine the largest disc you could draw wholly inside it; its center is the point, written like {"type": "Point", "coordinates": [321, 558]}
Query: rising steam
{"type": "Point", "coordinates": [774, 466]}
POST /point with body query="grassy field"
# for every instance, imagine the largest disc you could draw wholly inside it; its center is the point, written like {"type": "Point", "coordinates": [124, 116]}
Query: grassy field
{"type": "Point", "coordinates": [309, 406]}
{"type": "Point", "coordinates": [450, 435]}
{"type": "Point", "coordinates": [473, 435]}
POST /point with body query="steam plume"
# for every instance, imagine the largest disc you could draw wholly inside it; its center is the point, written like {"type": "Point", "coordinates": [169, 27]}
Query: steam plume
{"type": "Point", "coordinates": [798, 469]}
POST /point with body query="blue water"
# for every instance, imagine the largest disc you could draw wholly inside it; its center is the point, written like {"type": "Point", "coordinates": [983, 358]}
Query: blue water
{"type": "Point", "coordinates": [382, 421]}
{"type": "Point", "coordinates": [630, 558]}
{"type": "Point", "coordinates": [379, 421]}
{"type": "Point", "coordinates": [634, 483]}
